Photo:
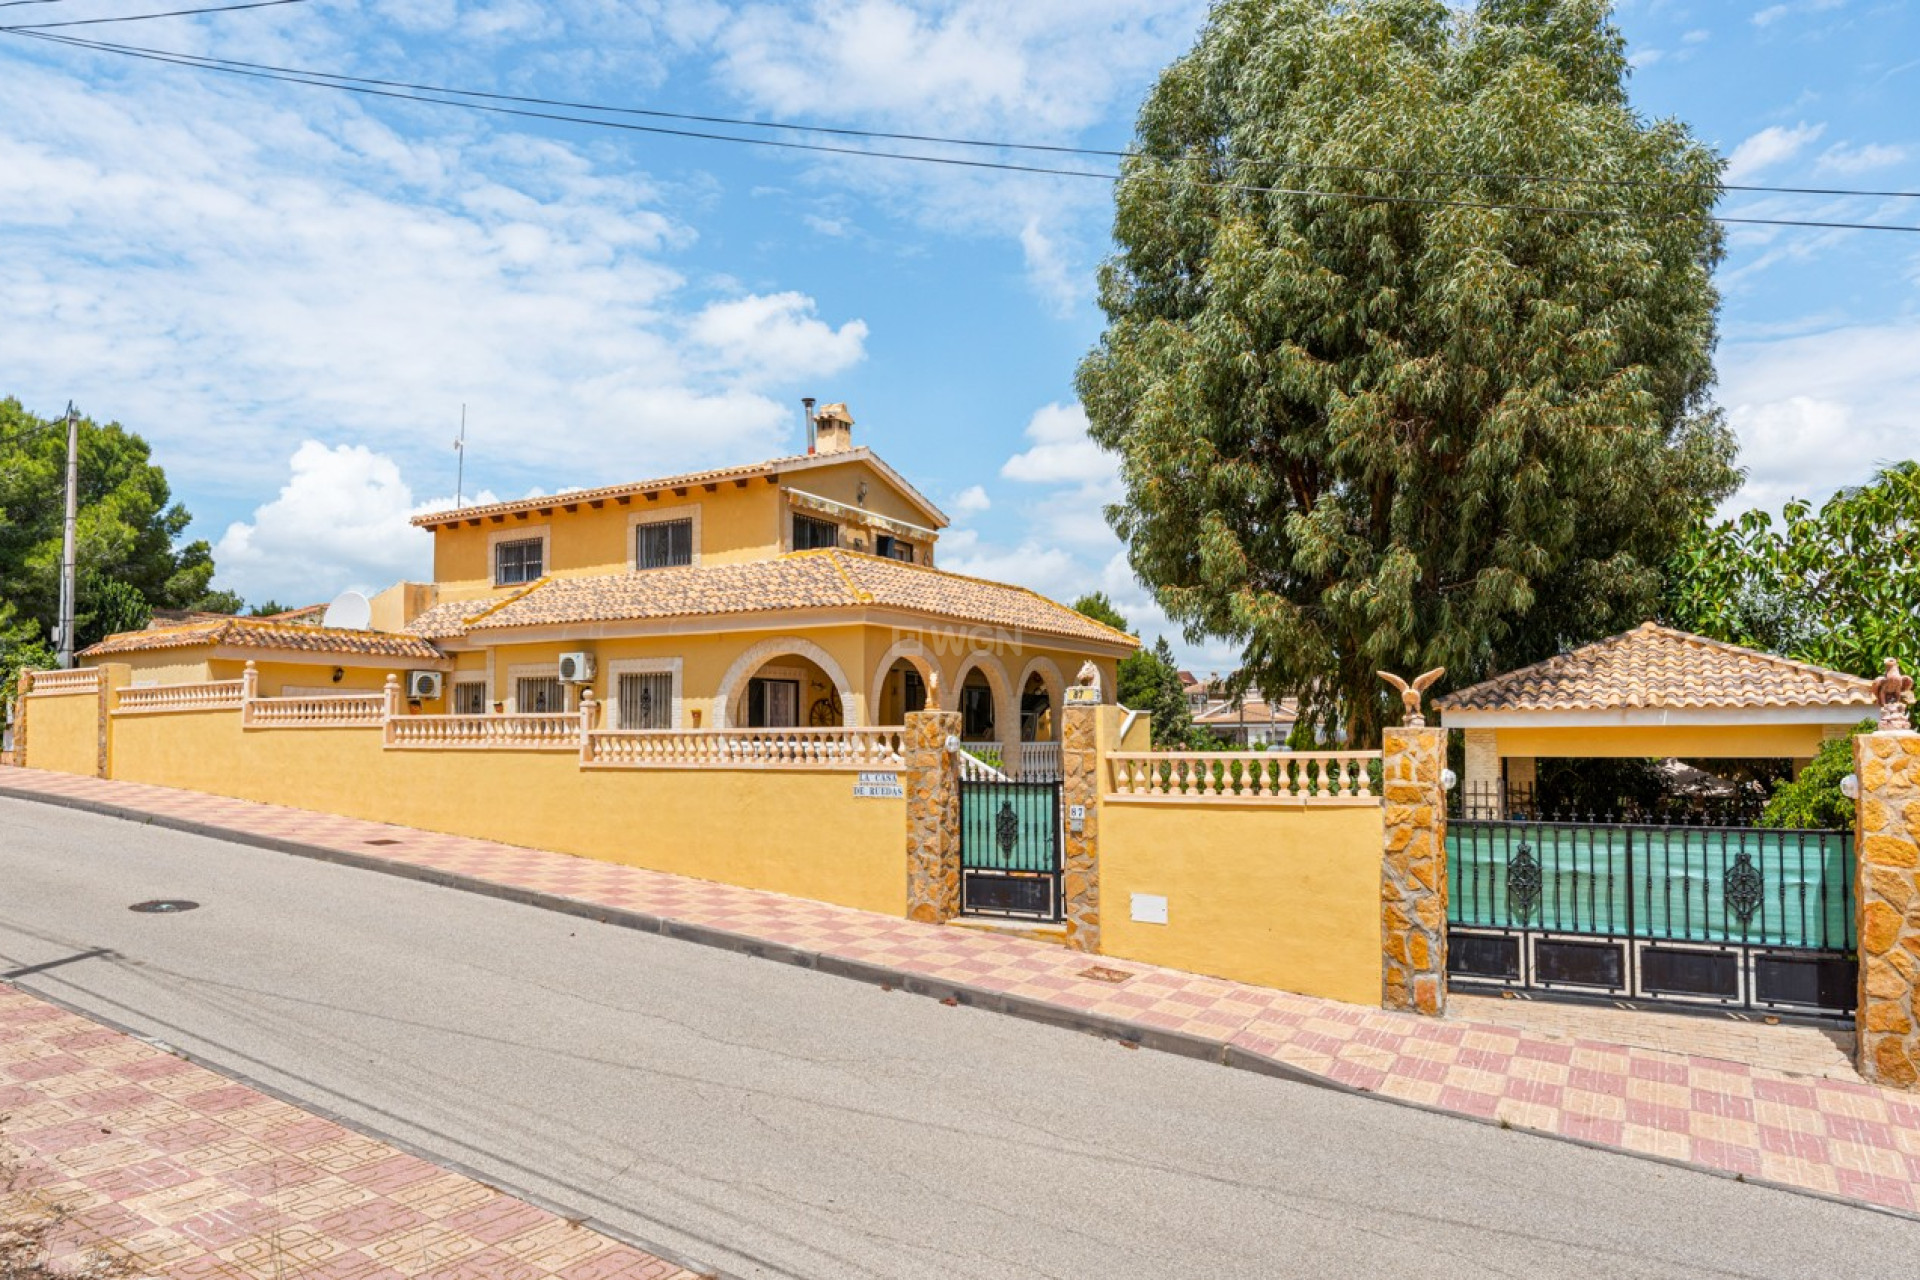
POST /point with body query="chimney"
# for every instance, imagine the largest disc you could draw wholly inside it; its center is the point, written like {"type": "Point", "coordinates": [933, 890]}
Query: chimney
{"type": "Point", "coordinates": [833, 429]}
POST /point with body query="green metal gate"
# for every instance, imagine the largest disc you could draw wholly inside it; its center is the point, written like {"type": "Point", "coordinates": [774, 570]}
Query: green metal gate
{"type": "Point", "coordinates": [1010, 849]}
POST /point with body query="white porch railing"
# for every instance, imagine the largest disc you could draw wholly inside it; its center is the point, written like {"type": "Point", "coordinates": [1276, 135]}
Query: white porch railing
{"type": "Point", "coordinates": [1236, 776]}
{"type": "Point", "coordinates": [533, 731]}
{"type": "Point", "coordinates": [1040, 762]}
{"type": "Point", "coordinates": [864, 748]}
{"type": "Point", "coordinates": [328, 711]}
{"type": "Point", "coordinates": [73, 680]}
{"type": "Point", "coordinates": [215, 695]}
{"type": "Point", "coordinates": [974, 769]}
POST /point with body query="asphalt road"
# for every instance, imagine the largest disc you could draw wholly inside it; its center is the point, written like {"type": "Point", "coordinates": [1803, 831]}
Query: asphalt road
{"type": "Point", "coordinates": [770, 1121]}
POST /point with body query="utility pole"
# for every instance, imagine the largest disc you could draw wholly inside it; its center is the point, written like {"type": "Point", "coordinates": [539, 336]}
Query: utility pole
{"type": "Point", "coordinates": [68, 580]}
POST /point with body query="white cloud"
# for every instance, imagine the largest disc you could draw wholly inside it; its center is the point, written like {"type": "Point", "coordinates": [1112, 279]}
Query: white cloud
{"type": "Point", "coordinates": [1697, 36]}
{"type": "Point", "coordinates": [232, 272]}
{"type": "Point", "coordinates": [1771, 14]}
{"type": "Point", "coordinates": [340, 521]}
{"type": "Point", "coordinates": [1062, 452]}
{"type": "Point", "coordinates": [1844, 157]}
{"type": "Point", "coordinates": [1769, 147]}
{"type": "Point", "coordinates": [979, 68]}
{"type": "Point", "coordinates": [1818, 411]}
{"type": "Point", "coordinates": [778, 337]}
{"type": "Point", "coordinates": [970, 501]}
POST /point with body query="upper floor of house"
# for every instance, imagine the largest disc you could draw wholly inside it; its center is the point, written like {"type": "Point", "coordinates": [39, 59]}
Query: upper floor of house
{"type": "Point", "coordinates": [835, 495]}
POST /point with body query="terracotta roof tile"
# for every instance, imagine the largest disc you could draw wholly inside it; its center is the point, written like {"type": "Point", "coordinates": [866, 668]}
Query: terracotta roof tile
{"type": "Point", "coordinates": [259, 633]}
{"type": "Point", "coordinates": [819, 580]}
{"type": "Point", "coordinates": [771, 466]}
{"type": "Point", "coordinates": [1652, 667]}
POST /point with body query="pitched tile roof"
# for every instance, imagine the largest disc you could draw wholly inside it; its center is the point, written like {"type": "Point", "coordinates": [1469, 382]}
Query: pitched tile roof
{"type": "Point", "coordinates": [770, 467]}
{"type": "Point", "coordinates": [818, 580]}
{"type": "Point", "coordinates": [1652, 667]}
{"type": "Point", "coordinates": [260, 633]}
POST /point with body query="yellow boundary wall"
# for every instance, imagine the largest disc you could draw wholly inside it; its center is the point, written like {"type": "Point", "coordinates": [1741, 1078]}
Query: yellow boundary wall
{"type": "Point", "coordinates": [1280, 896]}
{"type": "Point", "coordinates": [794, 831]}
{"type": "Point", "coordinates": [63, 731]}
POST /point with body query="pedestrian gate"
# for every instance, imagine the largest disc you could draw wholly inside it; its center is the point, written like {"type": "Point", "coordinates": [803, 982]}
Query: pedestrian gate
{"type": "Point", "coordinates": [1010, 849]}
{"type": "Point", "coordinates": [1728, 917]}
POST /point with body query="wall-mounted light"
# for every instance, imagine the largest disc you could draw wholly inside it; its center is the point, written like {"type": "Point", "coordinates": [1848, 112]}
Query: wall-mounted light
{"type": "Point", "coordinates": [1449, 779]}
{"type": "Point", "coordinates": [339, 674]}
{"type": "Point", "coordinates": [953, 743]}
{"type": "Point", "coordinates": [1850, 786]}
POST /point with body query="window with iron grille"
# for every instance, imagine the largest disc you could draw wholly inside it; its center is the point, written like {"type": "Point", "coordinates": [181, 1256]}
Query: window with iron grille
{"type": "Point", "coordinates": [470, 698]}
{"type": "Point", "coordinates": [810, 534]}
{"type": "Point", "coordinates": [664, 544]}
{"type": "Point", "coordinates": [538, 693]}
{"type": "Point", "coordinates": [893, 548]}
{"type": "Point", "coordinates": [646, 700]}
{"type": "Point", "coordinates": [519, 561]}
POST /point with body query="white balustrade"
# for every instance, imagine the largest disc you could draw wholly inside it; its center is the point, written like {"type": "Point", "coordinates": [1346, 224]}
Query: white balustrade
{"type": "Point", "coordinates": [1237, 776]}
{"type": "Point", "coordinates": [216, 695]}
{"type": "Point", "coordinates": [974, 769]}
{"type": "Point", "coordinates": [321, 711]}
{"type": "Point", "coordinates": [866, 748]}
{"type": "Point", "coordinates": [73, 680]}
{"type": "Point", "coordinates": [532, 731]}
{"type": "Point", "coordinates": [1040, 761]}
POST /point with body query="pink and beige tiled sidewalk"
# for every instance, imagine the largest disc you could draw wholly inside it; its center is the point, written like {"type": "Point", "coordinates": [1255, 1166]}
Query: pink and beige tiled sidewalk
{"type": "Point", "coordinates": [179, 1172]}
{"type": "Point", "coordinates": [1814, 1127]}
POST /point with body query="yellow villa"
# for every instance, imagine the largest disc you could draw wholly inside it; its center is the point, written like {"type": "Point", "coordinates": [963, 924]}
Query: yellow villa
{"type": "Point", "coordinates": [800, 592]}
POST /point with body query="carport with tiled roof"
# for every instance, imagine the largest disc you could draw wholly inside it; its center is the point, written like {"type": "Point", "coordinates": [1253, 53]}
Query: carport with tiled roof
{"type": "Point", "coordinates": [1650, 692]}
{"type": "Point", "coordinates": [1749, 919]}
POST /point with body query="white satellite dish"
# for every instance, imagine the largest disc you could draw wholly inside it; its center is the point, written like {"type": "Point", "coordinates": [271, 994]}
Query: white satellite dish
{"type": "Point", "coordinates": [349, 611]}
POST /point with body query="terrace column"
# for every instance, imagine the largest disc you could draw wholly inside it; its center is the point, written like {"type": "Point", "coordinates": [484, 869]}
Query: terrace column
{"type": "Point", "coordinates": [933, 817]}
{"type": "Point", "coordinates": [1887, 893]}
{"type": "Point", "coordinates": [1413, 872]}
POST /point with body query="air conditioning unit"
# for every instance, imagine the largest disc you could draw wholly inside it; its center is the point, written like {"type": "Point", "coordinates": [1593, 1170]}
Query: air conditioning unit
{"type": "Point", "coordinates": [424, 686]}
{"type": "Point", "coordinates": [576, 668]}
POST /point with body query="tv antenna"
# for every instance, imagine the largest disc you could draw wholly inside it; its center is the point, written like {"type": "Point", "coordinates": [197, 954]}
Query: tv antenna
{"type": "Point", "coordinates": [460, 471]}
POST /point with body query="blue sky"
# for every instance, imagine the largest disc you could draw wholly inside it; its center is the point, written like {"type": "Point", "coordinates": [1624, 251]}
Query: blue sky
{"type": "Point", "coordinates": [291, 291]}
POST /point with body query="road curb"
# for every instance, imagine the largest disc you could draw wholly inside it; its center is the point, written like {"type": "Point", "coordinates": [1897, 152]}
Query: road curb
{"type": "Point", "coordinates": [1137, 1034]}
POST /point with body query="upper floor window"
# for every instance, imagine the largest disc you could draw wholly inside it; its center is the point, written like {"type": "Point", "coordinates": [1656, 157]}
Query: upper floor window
{"type": "Point", "coordinates": [518, 561]}
{"type": "Point", "coordinates": [893, 548]}
{"type": "Point", "coordinates": [809, 534]}
{"type": "Point", "coordinates": [663, 544]}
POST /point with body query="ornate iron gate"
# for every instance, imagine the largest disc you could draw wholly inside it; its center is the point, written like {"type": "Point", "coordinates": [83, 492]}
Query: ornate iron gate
{"type": "Point", "coordinates": [1010, 849]}
{"type": "Point", "coordinates": [1725, 917]}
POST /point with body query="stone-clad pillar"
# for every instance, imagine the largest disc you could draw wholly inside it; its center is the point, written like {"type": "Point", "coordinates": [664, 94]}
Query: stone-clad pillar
{"type": "Point", "coordinates": [1887, 889]}
{"type": "Point", "coordinates": [1080, 748]}
{"type": "Point", "coordinates": [1413, 873]}
{"type": "Point", "coordinates": [933, 817]}
{"type": "Point", "coordinates": [20, 718]}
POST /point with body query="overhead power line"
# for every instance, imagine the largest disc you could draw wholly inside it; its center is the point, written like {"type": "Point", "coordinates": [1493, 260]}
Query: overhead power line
{"type": "Point", "coordinates": [986, 143]}
{"type": "Point", "coordinates": [142, 17]}
{"type": "Point", "coordinates": [356, 85]}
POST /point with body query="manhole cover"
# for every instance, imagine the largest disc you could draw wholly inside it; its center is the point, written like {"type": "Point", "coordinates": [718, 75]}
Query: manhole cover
{"type": "Point", "coordinates": [163, 906]}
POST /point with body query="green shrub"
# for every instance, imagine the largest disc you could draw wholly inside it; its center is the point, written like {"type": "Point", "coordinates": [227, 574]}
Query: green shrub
{"type": "Point", "coordinates": [1813, 799]}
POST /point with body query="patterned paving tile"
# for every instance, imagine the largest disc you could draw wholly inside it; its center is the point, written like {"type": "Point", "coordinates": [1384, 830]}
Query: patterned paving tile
{"type": "Point", "coordinates": [148, 1166]}
{"type": "Point", "coordinates": [1777, 1103]}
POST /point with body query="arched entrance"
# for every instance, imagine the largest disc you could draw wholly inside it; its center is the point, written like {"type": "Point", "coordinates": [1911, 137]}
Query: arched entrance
{"type": "Point", "coordinates": [903, 683]}
{"type": "Point", "coordinates": [1041, 696]}
{"type": "Point", "coordinates": [784, 684]}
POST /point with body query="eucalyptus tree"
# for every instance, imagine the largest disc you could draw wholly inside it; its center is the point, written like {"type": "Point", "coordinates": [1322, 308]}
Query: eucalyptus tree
{"type": "Point", "coordinates": [1408, 354]}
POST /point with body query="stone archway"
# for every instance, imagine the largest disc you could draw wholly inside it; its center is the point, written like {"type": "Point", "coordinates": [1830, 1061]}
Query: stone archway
{"type": "Point", "coordinates": [1006, 707]}
{"type": "Point", "coordinates": [908, 649]}
{"type": "Point", "coordinates": [1055, 685]}
{"type": "Point", "coordinates": [851, 712]}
